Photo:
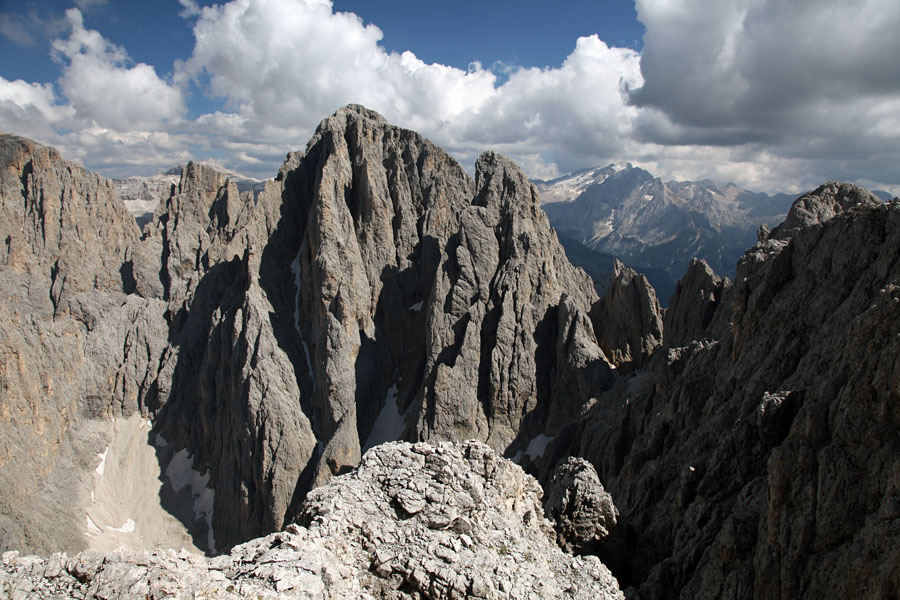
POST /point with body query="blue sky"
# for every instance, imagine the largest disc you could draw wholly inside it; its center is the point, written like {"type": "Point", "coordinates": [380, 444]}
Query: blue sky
{"type": "Point", "coordinates": [768, 94]}
{"type": "Point", "coordinates": [514, 32]}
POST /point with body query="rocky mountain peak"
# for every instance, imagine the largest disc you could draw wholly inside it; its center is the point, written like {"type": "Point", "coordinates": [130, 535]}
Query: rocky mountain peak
{"type": "Point", "coordinates": [698, 296]}
{"type": "Point", "coordinates": [656, 225]}
{"type": "Point", "coordinates": [628, 320]}
{"type": "Point", "coordinates": [16, 152]}
{"type": "Point", "coordinates": [201, 177]}
{"type": "Point", "coordinates": [43, 233]}
{"type": "Point", "coordinates": [822, 204]}
{"type": "Point", "coordinates": [417, 284]}
{"type": "Point", "coordinates": [499, 181]}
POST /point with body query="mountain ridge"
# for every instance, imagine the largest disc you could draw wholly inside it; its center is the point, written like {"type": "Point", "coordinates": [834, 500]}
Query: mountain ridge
{"type": "Point", "coordinates": [262, 340]}
{"type": "Point", "coordinates": [627, 212]}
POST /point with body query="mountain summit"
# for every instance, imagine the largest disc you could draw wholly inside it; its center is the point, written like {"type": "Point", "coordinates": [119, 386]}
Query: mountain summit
{"type": "Point", "coordinates": [624, 211]}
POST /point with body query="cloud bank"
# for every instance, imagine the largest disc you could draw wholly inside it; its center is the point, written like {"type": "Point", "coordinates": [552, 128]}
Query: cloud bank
{"type": "Point", "coordinates": [768, 94]}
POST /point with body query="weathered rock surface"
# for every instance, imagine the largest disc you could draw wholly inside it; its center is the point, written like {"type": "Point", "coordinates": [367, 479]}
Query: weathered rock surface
{"type": "Point", "coordinates": [227, 392]}
{"type": "Point", "coordinates": [52, 214]}
{"type": "Point", "coordinates": [628, 320]}
{"type": "Point", "coordinates": [75, 350]}
{"type": "Point", "coordinates": [142, 195]}
{"type": "Point", "coordinates": [762, 463]}
{"type": "Point", "coordinates": [428, 302]}
{"type": "Point", "coordinates": [695, 302]}
{"type": "Point", "coordinates": [823, 204]}
{"type": "Point", "coordinates": [372, 292]}
{"type": "Point", "coordinates": [583, 512]}
{"type": "Point", "coordinates": [413, 521]}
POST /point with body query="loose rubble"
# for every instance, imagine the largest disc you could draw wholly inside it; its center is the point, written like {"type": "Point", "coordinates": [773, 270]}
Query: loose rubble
{"type": "Point", "coordinates": [453, 520]}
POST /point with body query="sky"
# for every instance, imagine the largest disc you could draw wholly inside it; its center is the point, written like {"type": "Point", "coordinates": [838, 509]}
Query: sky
{"type": "Point", "coordinates": [768, 94]}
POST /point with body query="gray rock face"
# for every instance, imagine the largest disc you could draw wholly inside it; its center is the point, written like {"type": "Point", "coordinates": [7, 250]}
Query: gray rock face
{"type": "Point", "coordinates": [427, 302]}
{"type": "Point", "coordinates": [142, 195]}
{"type": "Point", "coordinates": [583, 513]}
{"type": "Point", "coordinates": [762, 463]}
{"type": "Point", "coordinates": [74, 349]}
{"type": "Point", "coordinates": [697, 298]}
{"type": "Point", "coordinates": [55, 235]}
{"type": "Point", "coordinates": [628, 320]}
{"type": "Point", "coordinates": [494, 318]}
{"type": "Point", "coordinates": [377, 206]}
{"type": "Point", "coordinates": [227, 390]}
{"type": "Point", "coordinates": [372, 292]}
{"type": "Point", "coordinates": [413, 521]}
{"type": "Point", "coordinates": [375, 292]}
{"type": "Point", "coordinates": [826, 202]}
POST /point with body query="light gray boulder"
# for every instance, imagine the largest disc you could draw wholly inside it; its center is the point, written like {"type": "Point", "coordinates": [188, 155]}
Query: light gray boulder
{"type": "Point", "coordinates": [453, 520]}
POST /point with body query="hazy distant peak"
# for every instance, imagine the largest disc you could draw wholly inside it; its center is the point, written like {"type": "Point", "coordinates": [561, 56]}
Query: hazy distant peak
{"type": "Point", "coordinates": [569, 187]}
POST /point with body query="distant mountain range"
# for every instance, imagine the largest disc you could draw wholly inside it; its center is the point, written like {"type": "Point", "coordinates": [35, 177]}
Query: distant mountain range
{"type": "Point", "coordinates": [655, 226]}
{"type": "Point", "coordinates": [600, 215]}
{"type": "Point", "coordinates": [141, 195]}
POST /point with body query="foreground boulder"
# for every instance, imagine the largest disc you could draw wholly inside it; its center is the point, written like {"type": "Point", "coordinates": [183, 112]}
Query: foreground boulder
{"type": "Point", "coordinates": [453, 520]}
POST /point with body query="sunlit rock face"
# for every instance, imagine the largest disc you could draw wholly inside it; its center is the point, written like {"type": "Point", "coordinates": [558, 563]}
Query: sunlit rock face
{"type": "Point", "coordinates": [372, 292]}
{"type": "Point", "coordinates": [452, 520]}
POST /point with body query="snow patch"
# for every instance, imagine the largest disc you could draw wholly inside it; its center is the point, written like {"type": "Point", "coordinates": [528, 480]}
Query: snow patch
{"type": "Point", "coordinates": [416, 307]}
{"type": "Point", "coordinates": [102, 466]}
{"type": "Point", "coordinates": [537, 446]}
{"type": "Point", "coordinates": [181, 474]}
{"type": "Point", "coordinates": [91, 526]}
{"type": "Point", "coordinates": [388, 425]}
{"type": "Point", "coordinates": [295, 268]}
{"type": "Point", "coordinates": [127, 527]}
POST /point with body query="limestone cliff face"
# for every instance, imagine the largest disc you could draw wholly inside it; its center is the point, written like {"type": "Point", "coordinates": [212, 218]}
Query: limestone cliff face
{"type": "Point", "coordinates": [628, 319]}
{"type": "Point", "coordinates": [74, 347]}
{"type": "Point", "coordinates": [62, 225]}
{"type": "Point", "coordinates": [381, 294]}
{"type": "Point", "coordinates": [372, 292]}
{"type": "Point", "coordinates": [756, 457]}
{"type": "Point", "coordinates": [494, 339]}
{"type": "Point", "coordinates": [694, 306]}
{"type": "Point", "coordinates": [427, 302]}
{"type": "Point", "coordinates": [377, 203]}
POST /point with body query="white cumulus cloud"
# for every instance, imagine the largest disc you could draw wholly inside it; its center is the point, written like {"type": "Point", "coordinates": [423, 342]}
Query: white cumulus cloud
{"type": "Point", "coordinates": [103, 88]}
{"type": "Point", "coordinates": [769, 94]}
{"type": "Point", "coordinates": [116, 117]}
{"type": "Point", "coordinates": [282, 65]}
